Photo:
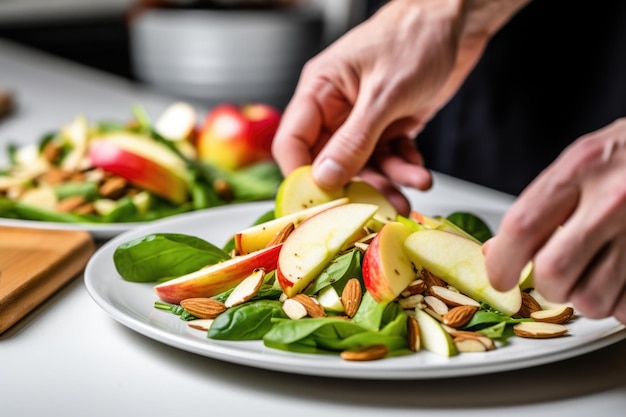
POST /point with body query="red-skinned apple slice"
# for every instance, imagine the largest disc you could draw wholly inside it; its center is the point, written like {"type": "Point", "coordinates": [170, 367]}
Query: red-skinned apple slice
{"type": "Point", "coordinates": [143, 162]}
{"type": "Point", "coordinates": [257, 237]}
{"type": "Point", "coordinates": [460, 262]}
{"type": "Point", "coordinates": [215, 279]}
{"type": "Point", "coordinates": [314, 243]}
{"type": "Point", "coordinates": [387, 270]}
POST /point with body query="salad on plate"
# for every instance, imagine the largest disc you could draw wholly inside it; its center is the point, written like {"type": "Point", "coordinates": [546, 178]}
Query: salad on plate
{"type": "Point", "coordinates": [342, 273]}
{"type": "Point", "coordinates": [140, 170]}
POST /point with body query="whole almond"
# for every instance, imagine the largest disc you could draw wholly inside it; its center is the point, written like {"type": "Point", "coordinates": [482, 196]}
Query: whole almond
{"type": "Point", "coordinates": [459, 316]}
{"type": "Point", "coordinates": [351, 297]}
{"type": "Point", "coordinates": [413, 334]}
{"type": "Point", "coordinates": [311, 305]}
{"type": "Point", "coordinates": [368, 353]}
{"type": "Point", "coordinates": [203, 308]}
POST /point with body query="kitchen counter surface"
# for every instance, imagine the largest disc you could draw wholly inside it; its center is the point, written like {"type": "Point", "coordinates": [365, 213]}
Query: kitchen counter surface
{"type": "Point", "coordinates": [70, 358]}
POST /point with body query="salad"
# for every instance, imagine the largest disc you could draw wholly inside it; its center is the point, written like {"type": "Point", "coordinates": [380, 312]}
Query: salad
{"type": "Point", "coordinates": [137, 171]}
{"type": "Point", "coordinates": [342, 275]}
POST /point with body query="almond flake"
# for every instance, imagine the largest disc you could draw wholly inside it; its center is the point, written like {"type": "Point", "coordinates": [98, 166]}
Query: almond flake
{"type": "Point", "coordinates": [246, 289]}
{"type": "Point", "coordinates": [368, 353]}
{"type": "Point", "coordinates": [539, 330]}
{"type": "Point", "coordinates": [200, 324]}
{"type": "Point", "coordinates": [451, 297]}
{"type": "Point", "coordinates": [294, 309]}
{"type": "Point", "coordinates": [559, 315]}
{"type": "Point", "coordinates": [529, 305]}
{"type": "Point", "coordinates": [436, 305]}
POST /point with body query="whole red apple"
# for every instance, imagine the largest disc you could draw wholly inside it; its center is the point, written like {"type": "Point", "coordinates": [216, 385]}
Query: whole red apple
{"type": "Point", "coordinates": [232, 136]}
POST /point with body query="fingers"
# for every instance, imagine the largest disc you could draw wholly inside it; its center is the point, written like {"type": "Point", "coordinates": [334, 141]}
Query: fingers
{"type": "Point", "coordinates": [299, 129]}
{"type": "Point", "coordinates": [528, 225]}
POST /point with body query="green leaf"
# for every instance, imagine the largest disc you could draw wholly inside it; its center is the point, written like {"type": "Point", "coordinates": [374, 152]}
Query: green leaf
{"type": "Point", "coordinates": [338, 272]}
{"type": "Point", "coordinates": [248, 321]}
{"type": "Point", "coordinates": [472, 224]}
{"type": "Point", "coordinates": [162, 256]}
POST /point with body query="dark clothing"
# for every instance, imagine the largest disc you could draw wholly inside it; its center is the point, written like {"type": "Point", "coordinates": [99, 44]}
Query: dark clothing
{"type": "Point", "coordinates": [552, 74]}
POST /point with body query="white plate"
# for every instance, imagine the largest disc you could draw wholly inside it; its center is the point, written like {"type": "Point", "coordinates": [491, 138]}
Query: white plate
{"type": "Point", "coordinates": [99, 231]}
{"type": "Point", "coordinates": [132, 305]}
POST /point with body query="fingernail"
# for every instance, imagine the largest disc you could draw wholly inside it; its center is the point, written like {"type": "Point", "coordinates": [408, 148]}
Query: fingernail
{"type": "Point", "coordinates": [328, 173]}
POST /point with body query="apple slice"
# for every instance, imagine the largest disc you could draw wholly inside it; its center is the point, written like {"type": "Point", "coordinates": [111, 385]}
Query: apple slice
{"type": "Point", "coordinates": [217, 278]}
{"type": "Point", "coordinates": [359, 191]}
{"type": "Point", "coordinates": [433, 337]}
{"type": "Point", "coordinates": [460, 262]}
{"type": "Point", "coordinates": [313, 244]}
{"type": "Point", "coordinates": [298, 191]}
{"type": "Point", "coordinates": [177, 123]}
{"type": "Point", "coordinates": [143, 162]}
{"type": "Point", "coordinates": [257, 237]}
{"type": "Point", "coordinates": [387, 270]}
{"type": "Point", "coordinates": [330, 300]}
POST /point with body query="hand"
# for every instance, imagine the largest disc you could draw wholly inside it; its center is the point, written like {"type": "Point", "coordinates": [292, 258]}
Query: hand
{"type": "Point", "coordinates": [360, 103]}
{"type": "Point", "coordinates": [571, 221]}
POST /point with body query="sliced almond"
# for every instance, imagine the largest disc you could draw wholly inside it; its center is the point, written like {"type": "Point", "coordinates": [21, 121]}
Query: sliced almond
{"type": "Point", "coordinates": [529, 305]}
{"type": "Point", "coordinates": [417, 286]}
{"type": "Point", "coordinates": [539, 330]}
{"type": "Point", "coordinates": [69, 204]}
{"type": "Point", "coordinates": [294, 309]}
{"type": "Point", "coordinates": [430, 279]}
{"type": "Point", "coordinates": [368, 353]}
{"type": "Point", "coordinates": [459, 316]}
{"type": "Point", "coordinates": [436, 305]}
{"type": "Point", "coordinates": [203, 308]}
{"type": "Point", "coordinates": [559, 315]}
{"type": "Point", "coordinates": [413, 334]}
{"type": "Point", "coordinates": [351, 297]}
{"type": "Point", "coordinates": [200, 324]}
{"type": "Point", "coordinates": [246, 289]}
{"type": "Point", "coordinates": [312, 306]}
{"type": "Point", "coordinates": [469, 345]}
{"type": "Point", "coordinates": [452, 298]}
{"type": "Point", "coordinates": [411, 302]}
{"type": "Point", "coordinates": [488, 342]}
{"type": "Point", "coordinates": [282, 235]}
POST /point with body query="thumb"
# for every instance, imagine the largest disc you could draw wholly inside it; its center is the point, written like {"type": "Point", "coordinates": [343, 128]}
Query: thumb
{"type": "Point", "coordinates": [350, 147]}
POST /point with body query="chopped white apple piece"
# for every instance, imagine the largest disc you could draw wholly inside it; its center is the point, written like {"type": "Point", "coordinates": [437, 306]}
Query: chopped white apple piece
{"type": "Point", "coordinates": [433, 336]}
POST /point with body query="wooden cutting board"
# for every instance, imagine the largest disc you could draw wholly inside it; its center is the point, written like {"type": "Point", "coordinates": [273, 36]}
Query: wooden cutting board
{"type": "Point", "coordinates": [34, 264]}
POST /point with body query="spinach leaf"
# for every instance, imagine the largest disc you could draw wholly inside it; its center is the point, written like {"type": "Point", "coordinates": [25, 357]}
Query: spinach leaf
{"type": "Point", "coordinates": [338, 272]}
{"type": "Point", "coordinates": [325, 335]}
{"type": "Point", "coordinates": [161, 256]}
{"type": "Point", "coordinates": [248, 321]}
{"type": "Point", "coordinates": [472, 224]}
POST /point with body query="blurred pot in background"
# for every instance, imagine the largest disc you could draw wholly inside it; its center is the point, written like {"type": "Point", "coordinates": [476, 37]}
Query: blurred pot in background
{"type": "Point", "coordinates": [225, 50]}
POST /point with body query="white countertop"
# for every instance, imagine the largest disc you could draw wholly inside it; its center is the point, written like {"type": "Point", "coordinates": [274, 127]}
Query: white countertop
{"type": "Point", "coordinates": [70, 358]}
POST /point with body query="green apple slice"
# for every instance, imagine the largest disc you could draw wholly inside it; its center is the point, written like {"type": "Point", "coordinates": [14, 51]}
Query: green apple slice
{"type": "Point", "coordinates": [298, 191]}
{"type": "Point", "coordinates": [460, 262]}
{"type": "Point", "coordinates": [313, 244]}
{"type": "Point", "coordinates": [330, 299]}
{"type": "Point", "coordinates": [359, 191]}
{"type": "Point", "coordinates": [433, 337]}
